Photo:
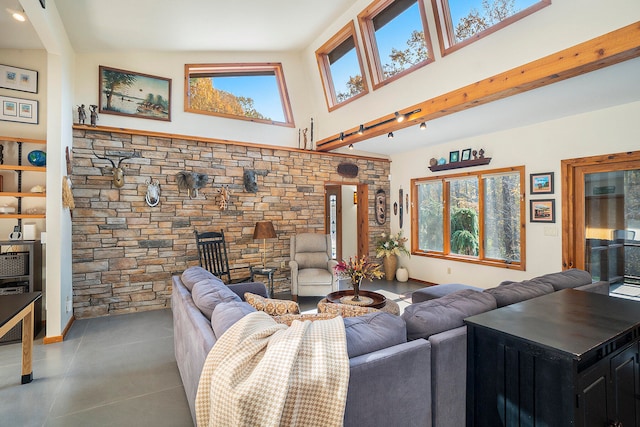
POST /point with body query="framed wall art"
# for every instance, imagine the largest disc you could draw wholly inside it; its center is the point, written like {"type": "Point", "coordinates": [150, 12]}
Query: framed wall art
{"type": "Point", "coordinates": [18, 79]}
{"type": "Point", "coordinates": [541, 183]}
{"type": "Point", "coordinates": [454, 156]}
{"type": "Point", "coordinates": [466, 155]}
{"type": "Point", "coordinates": [542, 210]}
{"type": "Point", "coordinates": [18, 110]}
{"type": "Point", "coordinates": [127, 93]}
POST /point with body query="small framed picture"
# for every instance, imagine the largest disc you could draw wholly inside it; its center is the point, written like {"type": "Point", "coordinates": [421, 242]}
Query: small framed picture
{"type": "Point", "coordinates": [466, 155]}
{"type": "Point", "coordinates": [542, 210]}
{"type": "Point", "coordinates": [541, 183]}
{"type": "Point", "coordinates": [18, 110]}
{"type": "Point", "coordinates": [454, 156]}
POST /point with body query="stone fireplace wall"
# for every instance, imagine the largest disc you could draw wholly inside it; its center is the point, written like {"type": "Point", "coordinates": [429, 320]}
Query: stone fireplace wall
{"type": "Point", "coordinates": [125, 252]}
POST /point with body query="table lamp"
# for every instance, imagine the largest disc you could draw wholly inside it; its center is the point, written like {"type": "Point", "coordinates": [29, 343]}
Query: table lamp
{"type": "Point", "coordinates": [264, 230]}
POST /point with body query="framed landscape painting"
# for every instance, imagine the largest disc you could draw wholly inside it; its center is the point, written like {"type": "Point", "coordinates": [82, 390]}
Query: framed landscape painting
{"type": "Point", "coordinates": [127, 93]}
{"type": "Point", "coordinates": [543, 210]}
{"type": "Point", "coordinates": [18, 110]}
{"type": "Point", "coordinates": [542, 183]}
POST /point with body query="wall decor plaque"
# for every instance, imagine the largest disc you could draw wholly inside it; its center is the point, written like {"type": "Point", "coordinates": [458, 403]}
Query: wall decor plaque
{"type": "Point", "coordinates": [348, 170]}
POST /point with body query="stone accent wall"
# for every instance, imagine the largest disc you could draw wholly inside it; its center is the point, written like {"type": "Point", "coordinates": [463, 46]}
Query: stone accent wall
{"type": "Point", "coordinates": [125, 252]}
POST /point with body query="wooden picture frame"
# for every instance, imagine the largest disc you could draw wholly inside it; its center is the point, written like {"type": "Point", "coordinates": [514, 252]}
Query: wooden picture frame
{"type": "Point", "coordinates": [454, 156]}
{"type": "Point", "coordinates": [19, 79]}
{"type": "Point", "coordinates": [541, 183]}
{"type": "Point", "coordinates": [18, 110]}
{"type": "Point", "coordinates": [132, 94]}
{"type": "Point", "coordinates": [466, 155]}
{"type": "Point", "coordinates": [542, 210]}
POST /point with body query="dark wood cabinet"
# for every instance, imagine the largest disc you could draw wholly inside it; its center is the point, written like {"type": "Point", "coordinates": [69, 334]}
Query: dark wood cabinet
{"type": "Point", "coordinates": [570, 358]}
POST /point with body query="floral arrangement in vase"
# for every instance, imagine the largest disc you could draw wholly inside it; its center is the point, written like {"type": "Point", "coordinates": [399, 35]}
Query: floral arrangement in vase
{"type": "Point", "coordinates": [357, 269]}
{"type": "Point", "coordinates": [392, 244]}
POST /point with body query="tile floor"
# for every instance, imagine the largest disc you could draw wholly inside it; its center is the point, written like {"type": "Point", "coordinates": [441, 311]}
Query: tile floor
{"type": "Point", "coordinates": [113, 371]}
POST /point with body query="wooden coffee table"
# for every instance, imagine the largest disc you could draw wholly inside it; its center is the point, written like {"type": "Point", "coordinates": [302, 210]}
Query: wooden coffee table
{"type": "Point", "coordinates": [13, 310]}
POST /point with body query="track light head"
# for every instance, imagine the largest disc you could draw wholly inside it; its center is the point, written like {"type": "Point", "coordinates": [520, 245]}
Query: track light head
{"type": "Point", "coordinates": [390, 135]}
{"type": "Point", "coordinates": [399, 117]}
{"type": "Point", "coordinates": [361, 130]}
{"type": "Point", "coordinates": [350, 146]}
{"type": "Point", "coordinates": [423, 126]}
{"type": "Point", "coordinates": [341, 136]}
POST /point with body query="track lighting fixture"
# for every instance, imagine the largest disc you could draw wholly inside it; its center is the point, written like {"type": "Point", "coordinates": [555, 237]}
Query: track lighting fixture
{"type": "Point", "coordinates": [341, 136]}
{"type": "Point", "coordinates": [423, 126]}
{"type": "Point", "coordinates": [361, 130]}
{"type": "Point", "coordinates": [399, 117]}
{"type": "Point", "coordinates": [390, 135]}
{"type": "Point", "coordinates": [350, 146]}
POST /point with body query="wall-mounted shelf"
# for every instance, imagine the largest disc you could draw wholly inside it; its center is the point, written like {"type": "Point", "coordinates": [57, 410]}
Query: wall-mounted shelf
{"type": "Point", "coordinates": [15, 194]}
{"type": "Point", "coordinates": [22, 216]}
{"type": "Point", "coordinates": [27, 168]}
{"type": "Point", "coordinates": [461, 164]}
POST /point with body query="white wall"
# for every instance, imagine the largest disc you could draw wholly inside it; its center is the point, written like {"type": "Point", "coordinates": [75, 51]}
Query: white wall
{"type": "Point", "coordinates": [171, 65]}
{"type": "Point", "coordinates": [563, 24]}
{"type": "Point", "coordinates": [540, 148]}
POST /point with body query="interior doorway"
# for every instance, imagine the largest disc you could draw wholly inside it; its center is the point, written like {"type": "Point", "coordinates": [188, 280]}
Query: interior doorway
{"type": "Point", "coordinates": [346, 218]}
{"type": "Point", "coordinates": [601, 219]}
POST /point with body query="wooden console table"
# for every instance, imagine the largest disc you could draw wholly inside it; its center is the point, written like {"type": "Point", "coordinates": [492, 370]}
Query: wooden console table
{"type": "Point", "coordinates": [13, 310]}
{"type": "Point", "coordinates": [570, 358]}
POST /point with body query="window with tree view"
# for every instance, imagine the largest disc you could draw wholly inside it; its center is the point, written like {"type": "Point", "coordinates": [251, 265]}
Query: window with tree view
{"type": "Point", "coordinates": [255, 92]}
{"type": "Point", "coordinates": [474, 217]}
{"type": "Point", "coordinates": [396, 38]}
{"type": "Point", "coordinates": [461, 22]}
{"type": "Point", "coordinates": [341, 68]}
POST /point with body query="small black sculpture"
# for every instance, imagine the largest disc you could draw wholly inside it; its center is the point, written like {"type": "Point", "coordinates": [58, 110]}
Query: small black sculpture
{"type": "Point", "coordinates": [82, 114]}
{"type": "Point", "coordinates": [94, 114]}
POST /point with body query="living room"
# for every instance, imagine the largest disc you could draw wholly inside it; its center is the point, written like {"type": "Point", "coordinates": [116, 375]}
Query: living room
{"type": "Point", "coordinates": [596, 115]}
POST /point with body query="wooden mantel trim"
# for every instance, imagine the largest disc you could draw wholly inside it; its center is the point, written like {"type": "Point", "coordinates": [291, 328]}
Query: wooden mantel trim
{"type": "Point", "coordinates": [609, 49]}
{"type": "Point", "coordinates": [217, 141]}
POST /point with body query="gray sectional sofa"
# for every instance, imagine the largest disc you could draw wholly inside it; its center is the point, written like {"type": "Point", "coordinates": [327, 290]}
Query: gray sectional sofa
{"type": "Point", "coordinates": [437, 314]}
{"type": "Point", "coordinates": [389, 381]}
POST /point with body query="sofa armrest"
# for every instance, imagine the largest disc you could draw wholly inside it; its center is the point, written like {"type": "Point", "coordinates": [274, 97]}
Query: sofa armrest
{"type": "Point", "coordinates": [391, 386]}
{"type": "Point", "coordinates": [596, 287]}
{"type": "Point", "coordinates": [257, 288]}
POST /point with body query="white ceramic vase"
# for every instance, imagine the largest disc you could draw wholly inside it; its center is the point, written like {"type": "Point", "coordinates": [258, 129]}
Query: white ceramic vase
{"type": "Point", "coordinates": [402, 274]}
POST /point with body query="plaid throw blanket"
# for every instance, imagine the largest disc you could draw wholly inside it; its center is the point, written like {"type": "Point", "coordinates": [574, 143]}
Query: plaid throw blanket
{"type": "Point", "coordinates": [260, 373]}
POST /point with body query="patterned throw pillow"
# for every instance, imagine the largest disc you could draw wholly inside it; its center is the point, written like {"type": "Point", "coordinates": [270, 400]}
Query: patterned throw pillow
{"type": "Point", "coordinates": [273, 307]}
{"type": "Point", "coordinates": [288, 319]}
{"type": "Point", "coordinates": [344, 310]}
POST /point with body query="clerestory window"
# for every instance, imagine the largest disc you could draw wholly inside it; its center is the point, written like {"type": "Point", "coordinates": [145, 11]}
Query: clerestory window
{"type": "Point", "coordinates": [341, 68]}
{"type": "Point", "coordinates": [255, 92]}
{"type": "Point", "coordinates": [396, 39]}
{"type": "Point", "coordinates": [460, 23]}
{"type": "Point", "coordinates": [472, 217]}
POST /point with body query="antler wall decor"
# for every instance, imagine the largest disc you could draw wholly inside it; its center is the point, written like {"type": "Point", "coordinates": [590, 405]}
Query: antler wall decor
{"type": "Point", "coordinates": [117, 171]}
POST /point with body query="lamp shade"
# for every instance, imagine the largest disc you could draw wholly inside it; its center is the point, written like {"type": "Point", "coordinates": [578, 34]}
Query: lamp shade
{"type": "Point", "coordinates": [264, 230]}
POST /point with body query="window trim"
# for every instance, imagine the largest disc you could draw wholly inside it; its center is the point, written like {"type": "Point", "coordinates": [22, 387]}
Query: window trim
{"type": "Point", "coordinates": [480, 259]}
{"type": "Point", "coordinates": [444, 25]}
{"type": "Point", "coordinates": [367, 30]}
{"type": "Point", "coordinates": [236, 67]}
{"type": "Point", "coordinates": [324, 67]}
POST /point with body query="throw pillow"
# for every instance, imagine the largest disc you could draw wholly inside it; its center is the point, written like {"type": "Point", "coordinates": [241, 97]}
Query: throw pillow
{"type": "Point", "coordinates": [344, 310]}
{"type": "Point", "coordinates": [287, 319]}
{"type": "Point", "coordinates": [193, 275]}
{"type": "Point", "coordinates": [273, 307]}
{"type": "Point", "coordinates": [207, 294]}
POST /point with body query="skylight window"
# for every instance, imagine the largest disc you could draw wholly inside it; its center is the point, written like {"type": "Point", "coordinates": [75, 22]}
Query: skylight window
{"type": "Point", "coordinates": [462, 22]}
{"type": "Point", "coordinates": [341, 68]}
{"type": "Point", "coordinates": [396, 38]}
{"type": "Point", "coordinates": [255, 92]}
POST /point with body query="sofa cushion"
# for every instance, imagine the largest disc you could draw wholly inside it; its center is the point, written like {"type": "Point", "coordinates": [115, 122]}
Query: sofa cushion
{"type": "Point", "coordinates": [519, 291]}
{"type": "Point", "coordinates": [438, 315]}
{"type": "Point", "coordinates": [566, 279]}
{"type": "Point", "coordinates": [287, 319]}
{"type": "Point", "coordinates": [438, 291]}
{"type": "Point", "coordinates": [207, 294]}
{"type": "Point", "coordinates": [226, 314]}
{"type": "Point", "coordinates": [273, 307]}
{"type": "Point", "coordinates": [372, 332]}
{"type": "Point", "coordinates": [193, 275]}
{"type": "Point", "coordinates": [344, 310]}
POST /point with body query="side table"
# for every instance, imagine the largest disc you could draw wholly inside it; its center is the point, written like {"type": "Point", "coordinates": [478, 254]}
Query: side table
{"type": "Point", "coordinates": [267, 272]}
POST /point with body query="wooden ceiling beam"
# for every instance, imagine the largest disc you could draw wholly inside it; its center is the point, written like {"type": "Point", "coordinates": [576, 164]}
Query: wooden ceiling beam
{"type": "Point", "coordinates": [609, 49]}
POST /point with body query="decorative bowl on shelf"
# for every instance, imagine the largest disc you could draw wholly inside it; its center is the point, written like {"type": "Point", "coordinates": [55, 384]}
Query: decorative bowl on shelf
{"type": "Point", "coordinates": [37, 158]}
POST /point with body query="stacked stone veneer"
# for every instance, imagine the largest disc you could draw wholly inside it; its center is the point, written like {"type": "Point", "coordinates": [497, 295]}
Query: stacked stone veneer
{"type": "Point", "coordinates": [125, 252]}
